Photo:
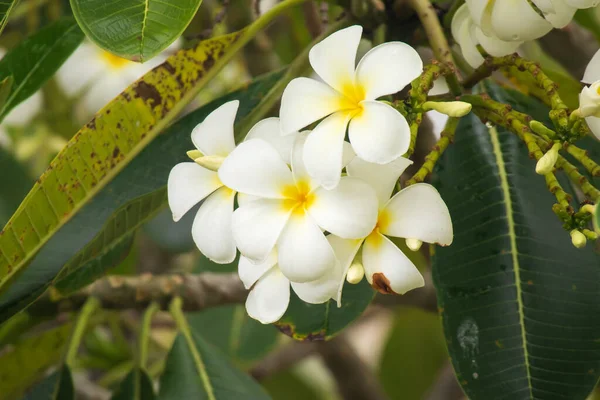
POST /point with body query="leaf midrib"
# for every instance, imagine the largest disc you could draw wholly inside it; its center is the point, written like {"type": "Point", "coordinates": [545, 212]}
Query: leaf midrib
{"type": "Point", "coordinates": [504, 185]}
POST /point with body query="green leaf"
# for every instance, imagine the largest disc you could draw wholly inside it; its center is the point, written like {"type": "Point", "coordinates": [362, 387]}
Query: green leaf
{"type": "Point", "coordinates": [303, 321]}
{"type": "Point", "coordinates": [26, 360]}
{"type": "Point", "coordinates": [6, 7]}
{"type": "Point", "coordinates": [56, 386]}
{"type": "Point", "coordinates": [236, 334]}
{"type": "Point", "coordinates": [597, 219]}
{"type": "Point", "coordinates": [95, 155]}
{"type": "Point", "coordinates": [136, 386]}
{"type": "Point", "coordinates": [14, 181]}
{"type": "Point", "coordinates": [286, 385]}
{"type": "Point", "coordinates": [5, 87]}
{"type": "Point", "coordinates": [196, 370]}
{"type": "Point", "coordinates": [517, 299]}
{"type": "Point", "coordinates": [134, 29]}
{"type": "Point", "coordinates": [37, 58]}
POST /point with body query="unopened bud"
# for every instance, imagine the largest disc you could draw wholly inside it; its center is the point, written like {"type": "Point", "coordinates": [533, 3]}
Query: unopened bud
{"type": "Point", "coordinates": [588, 208]}
{"type": "Point", "coordinates": [193, 154]}
{"type": "Point", "coordinates": [414, 244]}
{"type": "Point", "coordinates": [210, 162]}
{"type": "Point", "coordinates": [455, 109]}
{"type": "Point", "coordinates": [355, 273]}
{"type": "Point", "coordinates": [578, 239]}
{"type": "Point", "coordinates": [545, 165]}
{"type": "Point", "coordinates": [541, 129]}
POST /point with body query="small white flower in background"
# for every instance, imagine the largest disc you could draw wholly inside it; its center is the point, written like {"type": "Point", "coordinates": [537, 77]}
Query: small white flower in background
{"type": "Point", "coordinates": [347, 100]}
{"type": "Point", "coordinates": [269, 296]}
{"type": "Point", "coordinates": [416, 213]}
{"type": "Point", "coordinates": [99, 76]}
{"type": "Point", "coordinates": [291, 209]}
{"type": "Point", "coordinates": [589, 100]}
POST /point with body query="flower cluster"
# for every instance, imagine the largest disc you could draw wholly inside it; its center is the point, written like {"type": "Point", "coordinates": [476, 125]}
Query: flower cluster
{"type": "Point", "coordinates": [589, 100]}
{"type": "Point", "coordinates": [301, 221]}
{"type": "Point", "coordinates": [500, 27]}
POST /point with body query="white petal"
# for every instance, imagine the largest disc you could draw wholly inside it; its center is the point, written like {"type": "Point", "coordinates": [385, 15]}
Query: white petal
{"type": "Point", "coordinates": [583, 3]}
{"type": "Point", "coordinates": [589, 100]}
{"type": "Point", "coordinates": [494, 46]}
{"type": "Point", "coordinates": [250, 272]}
{"type": "Point", "coordinates": [464, 32]}
{"type": "Point", "coordinates": [560, 15]}
{"type": "Point", "coordinates": [212, 227]}
{"type": "Point", "coordinates": [594, 125]}
{"type": "Point", "coordinates": [301, 176]}
{"type": "Point", "coordinates": [418, 212]}
{"type": "Point", "coordinates": [480, 12]}
{"type": "Point", "coordinates": [440, 86]}
{"type": "Point", "coordinates": [269, 130]}
{"type": "Point", "coordinates": [81, 69]}
{"type": "Point", "coordinates": [270, 297]}
{"type": "Point", "coordinates": [379, 134]}
{"type": "Point", "coordinates": [381, 177]}
{"type": "Point", "coordinates": [245, 198]}
{"type": "Point", "coordinates": [24, 111]}
{"type": "Point", "coordinates": [349, 211]}
{"type": "Point", "coordinates": [189, 183]}
{"type": "Point", "coordinates": [305, 101]}
{"type": "Point", "coordinates": [321, 290]}
{"type": "Point", "coordinates": [514, 20]}
{"type": "Point", "coordinates": [348, 154]}
{"type": "Point", "coordinates": [387, 269]}
{"type": "Point", "coordinates": [592, 71]}
{"type": "Point", "coordinates": [323, 150]}
{"type": "Point", "coordinates": [214, 135]}
{"type": "Point", "coordinates": [334, 58]}
{"type": "Point", "coordinates": [255, 167]}
{"type": "Point", "coordinates": [304, 253]}
{"type": "Point", "coordinates": [345, 250]}
{"type": "Point", "coordinates": [257, 226]}
{"type": "Point", "coordinates": [387, 69]}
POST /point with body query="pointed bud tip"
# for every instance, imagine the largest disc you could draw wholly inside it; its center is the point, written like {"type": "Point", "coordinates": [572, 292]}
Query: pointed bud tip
{"type": "Point", "coordinates": [414, 244]}
{"type": "Point", "coordinates": [545, 165]}
{"type": "Point", "coordinates": [193, 154]}
{"type": "Point", "coordinates": [578, 239]}
{"type": "Point", "coordinates": [355, 274]}
{"type": "Point", "coordinates": [454, 109]}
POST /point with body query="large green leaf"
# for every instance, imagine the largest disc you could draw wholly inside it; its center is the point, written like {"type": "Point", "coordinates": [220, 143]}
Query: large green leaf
{"type": "Point", "coordinates": [95, 155]}
{"type": "Point", "coordinates": [519, 303]}
{"type": "Point", "coordinates": [56, 386]}
{"type": "Point", "coordinates": [26, 360]}
{"type": "Point", "coordinates": [136, 386]}
{"type": "Point", "coordinates": [196, 370]}
{"type": "Point", "coordinates": [91, 240]}
{"type": "Point", "coordinates": [14, 181]}
{"type": "Point", "coordinates": [304, 321]}
{"type": "Point", "coordinates": [6, 6]}
{"type": "Point", "coordinates": [134, 29]}
{"type": "Point", "coordinates": [414, 354]}
{"type": "Point", "coordinates": [36, 59]}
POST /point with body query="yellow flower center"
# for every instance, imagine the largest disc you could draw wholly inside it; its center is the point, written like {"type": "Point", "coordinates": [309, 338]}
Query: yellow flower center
{"type": "Point", "coordinates": [353, 95]}
{"type": "Point", "coordinates": [383, 221]}
{"type": "Point", "coordinates": [113, 61]}
{"type": "Point", "coordinates": [298, 198]}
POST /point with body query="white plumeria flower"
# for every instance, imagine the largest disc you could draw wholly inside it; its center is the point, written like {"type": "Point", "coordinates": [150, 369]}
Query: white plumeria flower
{"type": "Point", "coordinates": [347, 99]}
{"type": "Point", "coordinates": [416, 213]}
{"type": "Point", "coordinates": [468, 36]}
{"type": "Point", "coordinates": [589, 100]}
{"type": "Point", "coordinates": [291, 209]}
{"type": "Point", "coordinates": [269, 296]}
{"type": "Point", "coordinates": [191, 182]}
{"type": "Point", "coordinates": [99, 76]}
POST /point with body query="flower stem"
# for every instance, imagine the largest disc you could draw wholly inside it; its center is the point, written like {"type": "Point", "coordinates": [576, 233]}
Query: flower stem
{"type": "Point", "coordinates": [82, 319]}
{"type": "Point", "coordinates": [437, 39]}
{"type": "Point", "coordinates": [145, 334]}
{"type": "Point", "coordinates": [431, 159]}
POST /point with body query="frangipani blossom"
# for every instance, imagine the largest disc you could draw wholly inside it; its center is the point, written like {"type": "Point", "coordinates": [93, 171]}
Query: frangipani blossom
{"type": "Point", "coordinates": [415, 213]}
{"type": "Point", "coordinates": [589, 100]}
{"type": "Point", "coordinates": [347, 100]}
{"type": "Point", "coordinates": [269, 296]}
{"type": "Point", "coordinates": [291, 209]}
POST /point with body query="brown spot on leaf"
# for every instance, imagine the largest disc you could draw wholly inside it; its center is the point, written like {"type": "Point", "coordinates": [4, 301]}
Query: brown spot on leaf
{"type": "Point", "coordinates": [116, 152]}
{"type": "Point", "coordinates": [382, 284]}
{"type": "Point", "coordinates": [145, 91]}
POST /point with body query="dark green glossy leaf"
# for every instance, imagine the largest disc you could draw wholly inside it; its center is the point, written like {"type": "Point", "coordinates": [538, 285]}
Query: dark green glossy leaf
{"type": "Point", "coordinates": [15, 183]}
{"type": "Point", "coordinates": [134, 29]}
{"type": "Point", "coordinates": [236, 334]}
{"type": "Point", "coordinates": [22, 364]}
{"type": "Point", "coordinates": [196, 370]}
{"type": "Point", "coordinates": [6, 7]}
{"type": "Point", "coordinates": [414, 354]}
{"type": "Point", "coordinates": [56, 386]}
{"type": "Point", "coordinates": [5, 87]}
{"type": "Point", "coordinates": [518, 301]}
{"type": "Point", "coordinates": [171, 236]}
{"type": "Point", "coordinates": [136, 386]}
{"type": "Point", "coordinates": [286, 385]}
{"type": "Point", "coordinates": [304, 321]}
{"type": "Point", "coordinates": [37, 58]}
{"type": "Point", "coordinates": [95, 223]}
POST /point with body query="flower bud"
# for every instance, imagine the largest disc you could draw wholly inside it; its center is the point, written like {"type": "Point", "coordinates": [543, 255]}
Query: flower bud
{"type": "Point", "coordinates": [450, 108]}
{"type": "Point", "coordinates": [545, 165]}
{"type": "Point", "coordinates": [579, 240]}
{"type": "Point", "coordinates": [541, 129]}
{"type": "Point", "coordinates": [414, 244]}
{"type": "Point", "coordinates": [193, 154]}
{"type": "Point", "coordinates": [588, 208]}
{"type": "Point", "coordinates": [210, 162]}
{"type": "Point", "coordinates": [355, 273]}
